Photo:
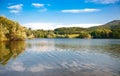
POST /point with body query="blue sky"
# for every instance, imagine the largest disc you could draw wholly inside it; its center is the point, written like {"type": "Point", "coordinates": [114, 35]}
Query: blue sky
{"type": "Point", "coordinates": [50, 14]}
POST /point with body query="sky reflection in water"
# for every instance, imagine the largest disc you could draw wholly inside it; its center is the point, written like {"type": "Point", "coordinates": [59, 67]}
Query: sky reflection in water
{"type": "Point", "coordinates": [61, 57]}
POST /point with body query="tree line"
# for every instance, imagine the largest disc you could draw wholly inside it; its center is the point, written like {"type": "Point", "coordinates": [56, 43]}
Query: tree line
{"type": "Point", "coordinates": [13, 31]}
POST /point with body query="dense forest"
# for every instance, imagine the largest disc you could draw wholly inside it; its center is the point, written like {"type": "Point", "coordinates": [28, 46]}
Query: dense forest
{"type": "Point", "coordinates": [109, 30]}
{"type": "Point", "coordinates": [13, 31]}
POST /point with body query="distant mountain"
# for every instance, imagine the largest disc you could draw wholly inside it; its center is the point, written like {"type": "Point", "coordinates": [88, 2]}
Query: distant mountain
{"type": "Point", "coordinates": [109, 25]}
{"type": "Point", "coordinates": [112, 23]}
{"type": "Point", "coordinates": [108, 30]}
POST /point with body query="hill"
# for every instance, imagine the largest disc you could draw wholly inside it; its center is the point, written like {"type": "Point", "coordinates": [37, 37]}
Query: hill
{"type": "Point", "coordinates": [108, 30]}
{"type": "Point", "coordinates": [112, 30]}
{"type": "Point", "coordinates": [11, 30]}
{"type": "Point", "coordinates": [108, 25]}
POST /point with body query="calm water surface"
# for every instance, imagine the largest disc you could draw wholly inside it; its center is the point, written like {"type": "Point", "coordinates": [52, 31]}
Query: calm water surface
{"type": "Point", "coordinates": [60, 57]}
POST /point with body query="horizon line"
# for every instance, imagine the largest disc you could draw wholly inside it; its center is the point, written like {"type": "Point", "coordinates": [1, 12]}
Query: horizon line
{"type": "Point", "coordinates": [52, 26]}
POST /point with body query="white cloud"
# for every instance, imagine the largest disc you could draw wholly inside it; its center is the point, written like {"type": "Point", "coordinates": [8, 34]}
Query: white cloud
{"type": "Point", "coordinates": [80, 10]}
{"type": "Point", "coordinates": [42, 46]}
{"type": "Point", "coordinates": [78, 25]}
{"type": "Point", "coordinates": [14, 11]}
{"type": "Point", "coordinates": [17, 66]}
{"type": "Point", "coordinates": [37, 5]}
{"type": "Point", "coordinates": [44, 26]}
{"type": "Point", "coordinates": [41, 7]}
{"type": "Point", "coordinates": [103, 1]}
{"type": "Point", "coordinates": [51, 26]}
{"type": "Point", "coordinates": [15, 8]}
{"type": "Point", "coordinates": [41, 67]}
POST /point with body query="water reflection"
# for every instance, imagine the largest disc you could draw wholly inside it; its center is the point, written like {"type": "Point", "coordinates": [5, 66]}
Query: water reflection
{"type": "Point", "coordinates": [62, 57]}
{"type": "Point", "coordinates": [10, 50]}
{"type": "Point", "coordinates": [111, 47]}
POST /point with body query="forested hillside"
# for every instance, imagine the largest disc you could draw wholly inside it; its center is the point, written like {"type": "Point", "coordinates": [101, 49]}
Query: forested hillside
{"type": "Point", "coordinates": [108, 30]}
{"type": "Point", "coordinates": [13, 31]}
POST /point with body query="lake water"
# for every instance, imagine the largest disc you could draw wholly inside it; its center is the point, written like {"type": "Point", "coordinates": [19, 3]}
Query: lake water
{"type": "Point", "coordinates": [60, 57]}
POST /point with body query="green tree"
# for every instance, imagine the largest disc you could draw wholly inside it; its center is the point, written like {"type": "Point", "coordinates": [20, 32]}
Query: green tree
{"type": "Point", "coordinates": [11, 30]}
{"type": "Point", "coordinates": [116, 32]}
{"type": "Point", "coordinates": [84, 35]}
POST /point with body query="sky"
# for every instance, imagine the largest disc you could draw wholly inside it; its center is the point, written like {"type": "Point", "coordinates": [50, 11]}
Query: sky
{"type": "Point", "coordinates": [51, 14]}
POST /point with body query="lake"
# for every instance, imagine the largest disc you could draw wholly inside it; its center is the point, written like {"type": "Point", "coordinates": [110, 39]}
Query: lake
{"type": "Point", "coordinates": [60, 57]}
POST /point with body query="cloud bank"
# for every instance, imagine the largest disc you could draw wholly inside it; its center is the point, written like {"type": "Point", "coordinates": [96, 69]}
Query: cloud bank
{"type": "Point", "coordinates": [51, 26]}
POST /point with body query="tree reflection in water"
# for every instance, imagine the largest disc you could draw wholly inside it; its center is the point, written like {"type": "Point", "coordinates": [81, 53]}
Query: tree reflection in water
{"type": "Point", "coordinates": [9, 50]}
